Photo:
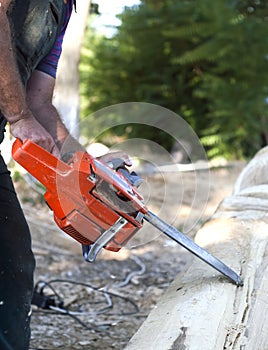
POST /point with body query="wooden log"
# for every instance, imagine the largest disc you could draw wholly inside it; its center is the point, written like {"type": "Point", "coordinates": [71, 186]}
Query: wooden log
{"type": "Point", "coordinates": [202, 310]}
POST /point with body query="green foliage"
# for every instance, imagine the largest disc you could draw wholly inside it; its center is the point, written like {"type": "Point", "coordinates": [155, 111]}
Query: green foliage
{"type": "Point", "coordinates": [233, 79]}
{"type": "Point", "coordinates": [205, 60]}
{"type": "Point", "coordinates": [16, 176]}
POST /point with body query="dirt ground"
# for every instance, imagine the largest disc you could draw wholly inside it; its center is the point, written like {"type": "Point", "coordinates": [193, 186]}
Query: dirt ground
{"type": "Point", "coordinates": [101, 305]}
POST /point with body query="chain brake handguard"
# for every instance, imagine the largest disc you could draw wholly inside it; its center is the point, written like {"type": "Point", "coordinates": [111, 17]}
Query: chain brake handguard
{"type": "Point", "coordinates": [81, 209]}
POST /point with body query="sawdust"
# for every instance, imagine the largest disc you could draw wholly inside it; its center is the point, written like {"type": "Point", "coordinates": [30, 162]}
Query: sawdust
{"type": "Point", "coordinates": [135, 277]}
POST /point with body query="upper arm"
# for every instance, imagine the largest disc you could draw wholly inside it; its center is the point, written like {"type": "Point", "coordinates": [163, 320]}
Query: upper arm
{"type": "Point", "coordinates": [40, 88]}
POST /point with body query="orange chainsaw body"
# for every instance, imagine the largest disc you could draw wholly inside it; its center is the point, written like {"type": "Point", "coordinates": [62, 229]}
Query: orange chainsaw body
{"type": "Point", "coordinates": [73, 193]}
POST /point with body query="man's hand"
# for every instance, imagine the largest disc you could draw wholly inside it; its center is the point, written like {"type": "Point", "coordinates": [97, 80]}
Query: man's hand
{"type": "Point", "coordinates": [106, 158]}
{"type": "Point", "coordinates": [29, 128]}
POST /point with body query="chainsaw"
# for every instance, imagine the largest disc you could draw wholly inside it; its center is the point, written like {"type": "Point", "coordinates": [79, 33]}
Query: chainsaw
{"type": "Point", "coordinates": [98, 204]}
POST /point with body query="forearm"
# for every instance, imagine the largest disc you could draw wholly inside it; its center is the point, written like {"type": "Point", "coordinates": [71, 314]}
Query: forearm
{"type": "Point", "coordinates": [47, 115]}
{"type": "Point", "coordinates": [40, 89]}
{"type": "Point", "coordinates": [12, 94]}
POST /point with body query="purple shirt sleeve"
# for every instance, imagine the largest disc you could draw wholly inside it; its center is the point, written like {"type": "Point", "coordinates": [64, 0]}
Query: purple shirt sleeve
{"type": "Point", "coordinates": [49, 64]}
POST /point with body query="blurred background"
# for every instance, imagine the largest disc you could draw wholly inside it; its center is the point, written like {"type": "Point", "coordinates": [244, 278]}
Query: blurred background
{"type": "Point", "coordinates": [206, 61]}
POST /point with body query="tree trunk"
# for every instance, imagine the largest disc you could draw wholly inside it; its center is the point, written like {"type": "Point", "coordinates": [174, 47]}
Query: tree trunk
{"type": "Point", "coordinates": [66, 97]}
{"type": "Point", "coordinates": [202, 309]}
